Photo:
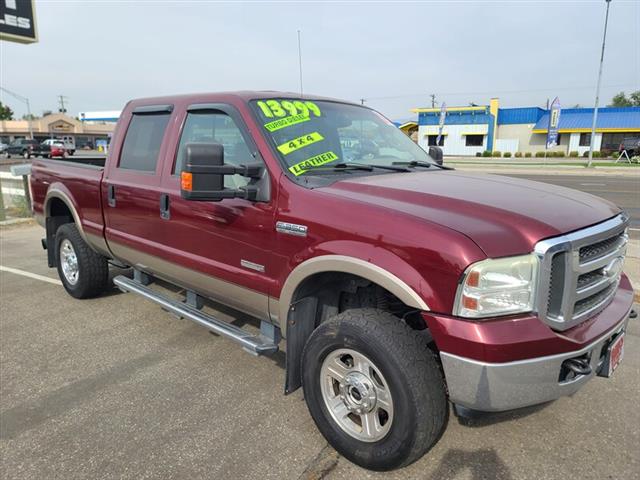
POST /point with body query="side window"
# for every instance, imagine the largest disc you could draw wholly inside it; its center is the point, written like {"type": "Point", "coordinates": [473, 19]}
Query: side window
{"type": "Point", "coordinates": [142, 142]}
{"type": "Point", "coordinates": [215, 127]}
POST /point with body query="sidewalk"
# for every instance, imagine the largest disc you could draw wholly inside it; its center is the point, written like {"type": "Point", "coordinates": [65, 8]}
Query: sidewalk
{"type": "Point", "coordinates": [632, 266]}
{"type": "Point", "coordinates": [552, 166]}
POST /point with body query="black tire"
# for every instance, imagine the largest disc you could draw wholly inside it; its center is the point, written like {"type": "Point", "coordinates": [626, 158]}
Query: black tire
{"type": "Point", "coordinates": [411, 370]}
{"type": "Point", "coordinates": [93, 269]}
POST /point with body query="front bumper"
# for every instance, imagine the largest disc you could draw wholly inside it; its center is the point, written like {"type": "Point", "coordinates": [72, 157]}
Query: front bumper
{"type": "Point", "coordinates": [505, 364]}
{"type": "Point", "coordinates": [494, 387]}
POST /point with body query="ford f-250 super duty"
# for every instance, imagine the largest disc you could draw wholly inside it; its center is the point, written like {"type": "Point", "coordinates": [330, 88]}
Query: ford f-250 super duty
{"type": "Point", "coordinates": [399, 284]}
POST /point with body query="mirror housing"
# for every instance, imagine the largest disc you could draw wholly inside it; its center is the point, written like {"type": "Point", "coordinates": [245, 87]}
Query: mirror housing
{"type": "Point", "coordinates": [202, 177]}
{"type": "Point", "coordinates": [436, 154]}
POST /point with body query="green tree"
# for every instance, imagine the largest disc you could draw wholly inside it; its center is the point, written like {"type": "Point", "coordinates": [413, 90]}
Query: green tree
{"type": "Point", "coordinates": [5, 112]}
{"type": "Point", "coordinates": [621, 100]}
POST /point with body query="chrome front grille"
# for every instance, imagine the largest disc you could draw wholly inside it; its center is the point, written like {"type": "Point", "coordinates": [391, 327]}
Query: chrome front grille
{"type": "Point", "coordinates": [580, 272]}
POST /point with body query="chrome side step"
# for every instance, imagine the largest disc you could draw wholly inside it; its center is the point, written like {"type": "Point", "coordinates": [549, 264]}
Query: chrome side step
{"type": "Point", "coordinates": [254, 344]}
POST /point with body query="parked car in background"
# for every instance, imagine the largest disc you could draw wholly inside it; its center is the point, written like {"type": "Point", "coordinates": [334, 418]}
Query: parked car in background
{"type": "Point", "coordinates": [32, 148]}
{"type": "Point", "coordinates": [631, 145]}
{"type": "Point", "coordinates": [68, 143]}
{"type": "Point", "coordinates": [55, 148]}
{"type": "Point", "coordinates": [23, 147]}
{"type": "Point", "coordinates": [3, 147]}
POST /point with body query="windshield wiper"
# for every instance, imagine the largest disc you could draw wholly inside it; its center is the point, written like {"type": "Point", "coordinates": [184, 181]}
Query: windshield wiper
{"type": "Point", "coordinates": [416, 163]}
{"type": "Point", "coordinates": [356, 166]}
{"type": "Point", "coordinates": [371, 166]}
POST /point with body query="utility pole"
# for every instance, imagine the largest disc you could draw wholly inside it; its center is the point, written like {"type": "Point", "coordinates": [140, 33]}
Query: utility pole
{"type": "Point", "coordinates": [26, 101]}
{"type": "Point", "coordinates": [433, 100]}
{"type": "Point", "coordinates": [595, 109]}
{"type": "Point", "coordinates": [61, 99]}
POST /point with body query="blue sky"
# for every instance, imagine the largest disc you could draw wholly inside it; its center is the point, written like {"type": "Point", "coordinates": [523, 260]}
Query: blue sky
{"type": "Point", "coordinates": [394, 54]}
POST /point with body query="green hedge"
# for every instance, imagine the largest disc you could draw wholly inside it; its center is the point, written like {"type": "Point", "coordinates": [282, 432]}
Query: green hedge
{"type": "Point", "coordinates": [486, 153]}
{"type": "Point", "coordinates": [507, 154]}
{"type": "Point", "coordinates": [496, 153]}
{"type": "Point", "coordinates": [539, 154]}
{"type": "Point", "coordinates": [527, 154]}
{"type": "Point", "coordinates": [517, 154]}
{"type": "Point", "coordinates": [573, 153]}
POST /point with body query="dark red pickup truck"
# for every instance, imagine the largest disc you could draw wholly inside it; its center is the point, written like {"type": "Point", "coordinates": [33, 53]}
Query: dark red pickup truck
{"type": "Point", "coordinates": [399, 284]}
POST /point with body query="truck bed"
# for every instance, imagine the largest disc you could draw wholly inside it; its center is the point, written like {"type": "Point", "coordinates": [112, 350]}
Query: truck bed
{"type": "Point", "coordinates": [97, 160]}
{"type": "Point", "coordinates": [79, 181]}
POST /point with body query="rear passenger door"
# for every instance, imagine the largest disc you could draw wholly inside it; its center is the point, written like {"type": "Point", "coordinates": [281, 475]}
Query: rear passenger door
{"type": "Point", "coordinates": [130, 191]}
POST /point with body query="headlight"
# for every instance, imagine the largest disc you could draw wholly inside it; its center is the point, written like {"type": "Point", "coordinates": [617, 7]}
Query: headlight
{"type": "Point", "coordinates": [495, 287]}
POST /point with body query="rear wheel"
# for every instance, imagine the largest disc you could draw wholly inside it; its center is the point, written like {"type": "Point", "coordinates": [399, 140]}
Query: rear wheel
{"type": "Point", "coordinates": [83, 272]}
{"type": "Point", "coordinates": [374, 389]}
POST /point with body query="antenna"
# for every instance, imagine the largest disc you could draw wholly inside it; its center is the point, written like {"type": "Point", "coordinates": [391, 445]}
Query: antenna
{"type": "Point", "coordinates": [300, 63]}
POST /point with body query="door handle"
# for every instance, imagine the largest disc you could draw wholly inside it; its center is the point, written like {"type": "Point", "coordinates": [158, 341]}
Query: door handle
{"type": "Point", "coordinates": [111, 195]}
{"type": "Point", "coordinates": [165, 214]}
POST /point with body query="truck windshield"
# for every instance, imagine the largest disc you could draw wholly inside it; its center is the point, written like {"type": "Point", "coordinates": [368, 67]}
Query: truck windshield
{"type": "Point", "coordinates": [320, 137]}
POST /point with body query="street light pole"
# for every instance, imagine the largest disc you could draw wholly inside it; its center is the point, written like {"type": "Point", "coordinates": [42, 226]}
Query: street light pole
{"type": "Point", "coordinates": [25, 100]}
{"type": "Point", "coordinates": [595, 110]}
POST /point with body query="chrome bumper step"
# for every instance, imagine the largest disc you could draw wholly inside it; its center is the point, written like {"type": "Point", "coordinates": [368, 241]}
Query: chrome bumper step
{"type": "Point", "coordinates": [254, 344]}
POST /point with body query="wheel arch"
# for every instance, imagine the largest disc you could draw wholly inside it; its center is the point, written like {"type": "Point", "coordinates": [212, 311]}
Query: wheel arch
{"type": "Point", "coordinates": [300, 304]}
{"type": "Point", "coordinates": [58, 210]}
{"type": "Point", "coordinates": [349, 265]}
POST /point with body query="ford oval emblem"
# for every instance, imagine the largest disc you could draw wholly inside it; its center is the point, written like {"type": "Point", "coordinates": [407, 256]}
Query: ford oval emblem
{"type": "Point", "coordinates": [614, 268]}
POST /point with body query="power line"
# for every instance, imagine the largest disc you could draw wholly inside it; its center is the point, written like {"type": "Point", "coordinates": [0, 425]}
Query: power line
{"type": "Point", "coordinates": [492, 92]}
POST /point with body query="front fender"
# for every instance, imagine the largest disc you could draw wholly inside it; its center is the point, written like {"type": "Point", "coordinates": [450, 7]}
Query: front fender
{"type": "Point", "coordinates": [375, 264]}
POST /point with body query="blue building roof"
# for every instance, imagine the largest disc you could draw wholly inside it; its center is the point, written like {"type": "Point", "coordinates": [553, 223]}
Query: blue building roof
{"type": "Point", "coordinates": [612, 119]}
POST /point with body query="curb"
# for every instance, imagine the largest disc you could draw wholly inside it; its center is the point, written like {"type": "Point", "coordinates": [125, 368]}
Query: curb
{"type": "Point", "coordinates": [16, 221]}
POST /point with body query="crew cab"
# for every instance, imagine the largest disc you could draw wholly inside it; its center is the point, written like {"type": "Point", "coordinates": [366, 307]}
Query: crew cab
{"type": "Point", "coordinates": [399, 286]}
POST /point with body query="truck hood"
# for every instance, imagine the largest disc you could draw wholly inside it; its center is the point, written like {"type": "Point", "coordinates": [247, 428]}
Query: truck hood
{"type": "Point", "coordinates": [502, 215]}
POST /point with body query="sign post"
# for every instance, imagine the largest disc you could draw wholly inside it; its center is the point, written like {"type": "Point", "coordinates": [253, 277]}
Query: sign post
{"type": "Point", "coordinates": [18, 21]}
{"type": "Point", "coordinates": [443, 115]}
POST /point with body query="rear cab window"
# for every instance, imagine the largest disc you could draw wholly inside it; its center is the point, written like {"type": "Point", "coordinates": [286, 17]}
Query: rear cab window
{"type": "Point", "coordinates": [143, 140]}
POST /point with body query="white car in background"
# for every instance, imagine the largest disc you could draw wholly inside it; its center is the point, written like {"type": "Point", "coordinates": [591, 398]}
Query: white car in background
{"type": "Point", "coordinates": [69, 143]}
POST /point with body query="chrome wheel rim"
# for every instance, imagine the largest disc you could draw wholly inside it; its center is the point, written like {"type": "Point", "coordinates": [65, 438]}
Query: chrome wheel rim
{"type": "Point", "coordinates": [69, 262]}
{"type": "Point", "coordinates": [356, 395]}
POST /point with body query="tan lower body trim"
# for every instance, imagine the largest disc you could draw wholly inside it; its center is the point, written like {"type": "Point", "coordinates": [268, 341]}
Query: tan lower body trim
{"type": "Point", "coordinates": [229, 294]}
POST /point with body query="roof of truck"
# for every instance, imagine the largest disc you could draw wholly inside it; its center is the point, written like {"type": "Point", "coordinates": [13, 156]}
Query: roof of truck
{"type": "Point", "coordinates": [244, 95]}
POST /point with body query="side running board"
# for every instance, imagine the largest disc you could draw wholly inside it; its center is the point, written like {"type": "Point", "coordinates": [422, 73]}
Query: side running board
{"type": "Point", "coordinates": [254, 344]}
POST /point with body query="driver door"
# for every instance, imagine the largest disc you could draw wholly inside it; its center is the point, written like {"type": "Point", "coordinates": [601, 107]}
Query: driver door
{"type": "Point", "coordinates": [223, 250]}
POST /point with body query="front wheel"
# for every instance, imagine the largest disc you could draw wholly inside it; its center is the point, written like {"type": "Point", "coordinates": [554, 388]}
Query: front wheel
{"type": "Point", "coordinates": [84, 273]}
{"type": "Point", "coordinates": [374, 389]}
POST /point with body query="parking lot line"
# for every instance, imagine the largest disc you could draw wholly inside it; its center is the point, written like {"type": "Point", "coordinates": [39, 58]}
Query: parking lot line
{"type": "Point", "coordinates": [42, 278]}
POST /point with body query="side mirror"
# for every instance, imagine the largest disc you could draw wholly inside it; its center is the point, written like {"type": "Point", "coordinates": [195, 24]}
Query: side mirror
{"type": "Point", "coordinates": [436, 154]}
{"type": "Point", "coordinates": [202, 177]}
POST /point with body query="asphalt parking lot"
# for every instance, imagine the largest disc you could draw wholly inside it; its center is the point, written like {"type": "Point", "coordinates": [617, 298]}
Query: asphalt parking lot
{"type": "Point", "coordinates": [116, 388]}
